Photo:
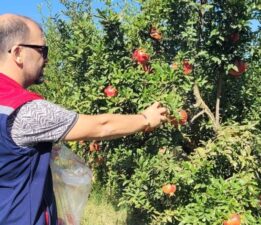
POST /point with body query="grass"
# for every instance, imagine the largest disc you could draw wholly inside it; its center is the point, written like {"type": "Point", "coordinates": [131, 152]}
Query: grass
{"type": "Point", "coordinates": [99, 211]}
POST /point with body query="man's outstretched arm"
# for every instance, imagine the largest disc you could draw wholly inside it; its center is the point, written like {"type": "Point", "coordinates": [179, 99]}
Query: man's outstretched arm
{"type": "Point", "coordinates": [110, 126]}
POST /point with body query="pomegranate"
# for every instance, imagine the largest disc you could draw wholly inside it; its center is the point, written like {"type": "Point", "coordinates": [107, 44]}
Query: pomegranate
{"type": "Point", "coordinates": [241, 66]}
{"type": "Point", "coordinates": [182, 120]}
{"type": "Point", "coordinates": [140, 56]}
{"type": "Point", "coordinates": [110, 91]}
{"type": "Point", "coordinates": [169, 189]}
{"type": "Point", "coordinates": [233, 220]}
{"type": "Point", "coordinates": [187, 67]}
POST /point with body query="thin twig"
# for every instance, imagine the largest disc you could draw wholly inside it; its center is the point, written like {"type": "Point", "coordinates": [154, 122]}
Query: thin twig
{"type": "Point", "coordinates": [197, 115]}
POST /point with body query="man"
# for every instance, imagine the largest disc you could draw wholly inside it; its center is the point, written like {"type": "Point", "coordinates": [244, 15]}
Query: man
{"type": "Point", "coordinates": [29, 125]}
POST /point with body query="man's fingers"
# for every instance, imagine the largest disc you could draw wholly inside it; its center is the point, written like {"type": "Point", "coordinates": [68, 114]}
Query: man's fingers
{"type": "Point", "coordinates": [157, 104]}
{"type": "Point", "coordinates": [163, 118]}
{"type": "Point", "coordinates": [163, 110]}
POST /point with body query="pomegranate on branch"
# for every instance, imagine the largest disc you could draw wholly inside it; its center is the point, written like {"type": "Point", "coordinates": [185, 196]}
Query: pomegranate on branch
{"type": "Point", "coordinates": [140, 56]}
{"type": "Point", "coordinates": [233, 220]}
{"type": "Point", "coordinates": [241, 68]}
{"type": "Point", "coordinates": [169, 189]}
{"type": "Point", "coordinates": [110, 91]}
{"type": "Point", "coordinates": [183, 117]}
{"type": "Point", "coordinates": [187, 67]}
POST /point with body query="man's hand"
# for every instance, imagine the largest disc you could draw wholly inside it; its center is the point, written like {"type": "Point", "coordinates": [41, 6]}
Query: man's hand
{"type": "Point", "coordinates": [155, 114]}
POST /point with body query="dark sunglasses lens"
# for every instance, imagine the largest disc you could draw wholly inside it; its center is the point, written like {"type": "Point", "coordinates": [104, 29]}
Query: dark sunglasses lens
{"type": "Point", "coordinates": [45, 52]}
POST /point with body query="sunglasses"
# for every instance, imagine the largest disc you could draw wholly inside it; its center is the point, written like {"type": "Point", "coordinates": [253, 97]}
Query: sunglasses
{"type": "Point", "coordinates": [42, 49]}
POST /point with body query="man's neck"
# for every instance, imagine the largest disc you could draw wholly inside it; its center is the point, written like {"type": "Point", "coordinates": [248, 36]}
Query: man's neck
{"type": "Point", "coordinates": [14, 75]}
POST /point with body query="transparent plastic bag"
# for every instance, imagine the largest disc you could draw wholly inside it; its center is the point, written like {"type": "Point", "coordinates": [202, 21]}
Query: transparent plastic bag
{"type": "Point", "coordinates": [72, 180]}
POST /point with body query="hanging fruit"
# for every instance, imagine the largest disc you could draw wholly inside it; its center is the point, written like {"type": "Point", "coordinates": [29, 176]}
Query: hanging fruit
{"type": "Point", "coordinates": [110, 91]}
{"type": "Point", "coordinates": [233, 220]}
{"type": "Point", "coordinates": [182, 120]}
{"type": "Point", "coordinates": [187, 67]}
{"type": "Point", "coordinates": [169, 189]}
{"type": "Point", "coordinates": [140, 56]}
{"type": "Point", "coordinates": [241, 68]}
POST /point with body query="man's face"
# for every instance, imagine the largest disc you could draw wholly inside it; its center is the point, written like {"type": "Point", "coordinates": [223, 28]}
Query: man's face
{"type": "Point", "coordinates": [34, 62]}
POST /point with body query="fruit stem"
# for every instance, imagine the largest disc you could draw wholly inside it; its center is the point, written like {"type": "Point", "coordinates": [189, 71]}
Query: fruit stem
{"type": "Point", "coordinates": [201, 104]}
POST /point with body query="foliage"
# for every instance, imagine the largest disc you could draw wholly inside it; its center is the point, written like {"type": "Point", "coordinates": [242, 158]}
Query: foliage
{"type": "Point", "coordinates": [214, 159]}
{"type": "Point", "coordinates": [211, 183]}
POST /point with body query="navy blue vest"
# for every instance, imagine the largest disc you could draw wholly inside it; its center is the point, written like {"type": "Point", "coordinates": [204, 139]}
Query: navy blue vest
{"type": "Point", "coordinates": [26, 191]}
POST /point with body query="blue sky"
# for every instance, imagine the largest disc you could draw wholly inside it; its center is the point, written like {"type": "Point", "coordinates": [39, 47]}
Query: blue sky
{"type": "Point", "coordinates": [30, 8]}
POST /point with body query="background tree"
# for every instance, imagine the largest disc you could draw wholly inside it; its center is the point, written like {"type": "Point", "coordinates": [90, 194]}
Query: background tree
{"type": "Point", "coordinates": [199, 58]}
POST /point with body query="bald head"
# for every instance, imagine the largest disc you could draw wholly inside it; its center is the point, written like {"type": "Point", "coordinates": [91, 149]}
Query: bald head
{"type": "Point", "coordinates": [14, 29]}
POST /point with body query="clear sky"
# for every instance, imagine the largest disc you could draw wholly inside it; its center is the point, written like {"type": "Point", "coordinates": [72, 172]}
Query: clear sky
{"type": "Point", "coordinates": [30, 8]}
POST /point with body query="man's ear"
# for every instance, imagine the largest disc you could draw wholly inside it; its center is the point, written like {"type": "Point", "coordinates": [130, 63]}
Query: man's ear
{"type": "Point", "coordinates": [16, 53]}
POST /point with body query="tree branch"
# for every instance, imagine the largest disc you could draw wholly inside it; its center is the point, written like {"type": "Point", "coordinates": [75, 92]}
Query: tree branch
{"type": "Point", "coordinates": [219, 89]}
{"type": "Point", "coordinates": [201, 104]}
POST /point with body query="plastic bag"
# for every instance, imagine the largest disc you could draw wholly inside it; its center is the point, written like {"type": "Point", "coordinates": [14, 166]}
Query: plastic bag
{"type": "Point", "coordinates": [72, 181]}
